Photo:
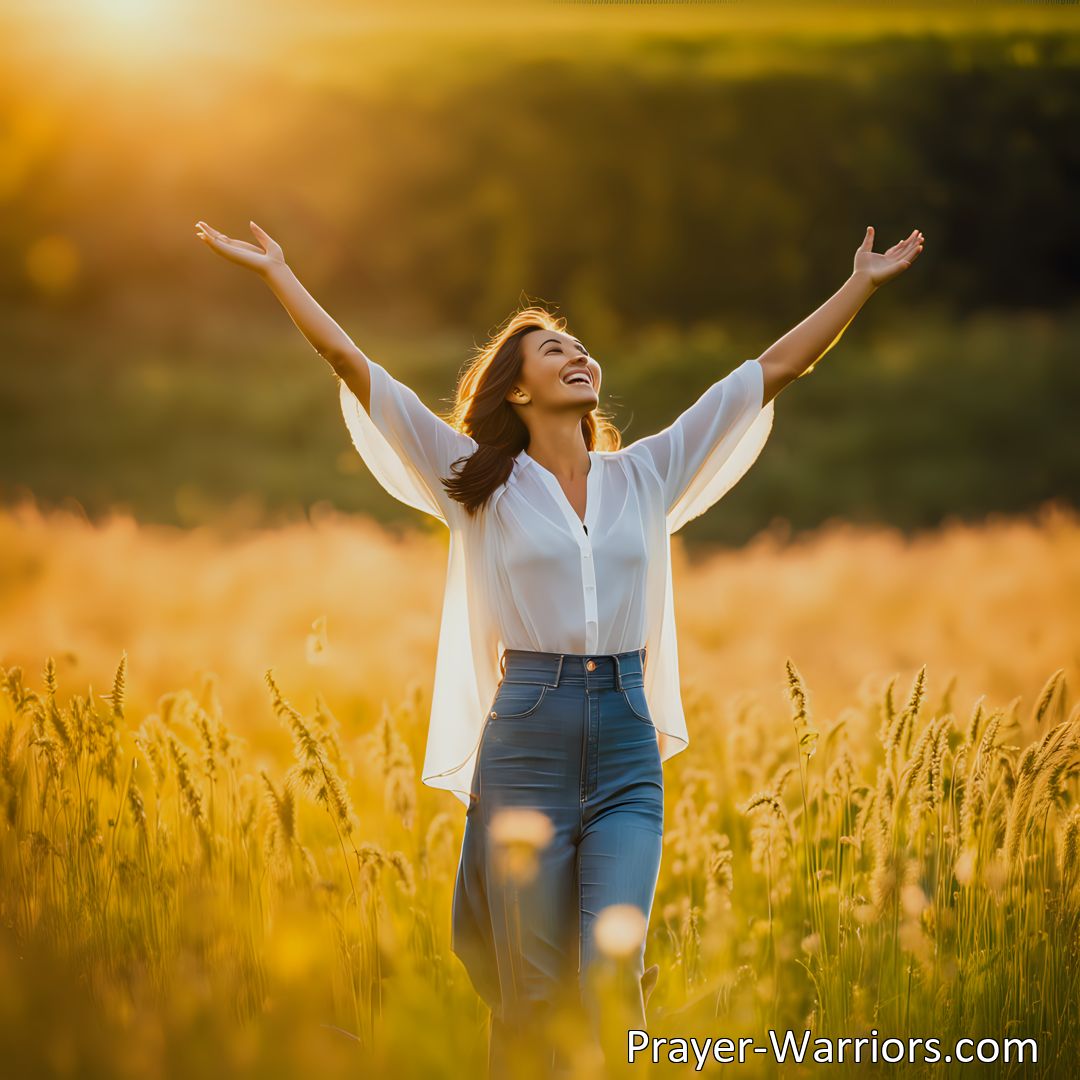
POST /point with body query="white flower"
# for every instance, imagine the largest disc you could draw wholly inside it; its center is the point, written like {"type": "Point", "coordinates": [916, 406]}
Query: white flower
{"type": "Point", "coordinates": [620, 930]}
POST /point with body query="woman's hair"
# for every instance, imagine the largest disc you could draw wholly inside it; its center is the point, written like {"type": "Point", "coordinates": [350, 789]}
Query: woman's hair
{"type": "Point", "coordinates": [482, 412]}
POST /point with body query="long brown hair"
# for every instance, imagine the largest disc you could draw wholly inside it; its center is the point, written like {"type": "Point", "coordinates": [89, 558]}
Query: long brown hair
{"type": "Point", "coordinates": [482, 411]}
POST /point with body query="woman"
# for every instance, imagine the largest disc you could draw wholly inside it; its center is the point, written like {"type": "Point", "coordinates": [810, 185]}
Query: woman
{"type": "Point", "coordinates": [556, 693]}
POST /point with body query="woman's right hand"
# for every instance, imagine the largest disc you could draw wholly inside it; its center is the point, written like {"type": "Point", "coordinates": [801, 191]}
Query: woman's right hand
{"type": "Point", "coordinates": [261, 259]}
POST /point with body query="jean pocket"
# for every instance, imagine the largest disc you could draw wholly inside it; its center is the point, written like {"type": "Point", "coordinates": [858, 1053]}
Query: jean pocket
{"type": "Point", "coordinates": [515, 700]}
{"type": "Point", "coordinates": [634, 696]}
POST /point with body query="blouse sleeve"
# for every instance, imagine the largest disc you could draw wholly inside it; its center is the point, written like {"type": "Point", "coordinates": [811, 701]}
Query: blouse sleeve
{"type": "Point", "coordinates": [405, 445]}
{"type": "Point", "coordinates": [707, 449]}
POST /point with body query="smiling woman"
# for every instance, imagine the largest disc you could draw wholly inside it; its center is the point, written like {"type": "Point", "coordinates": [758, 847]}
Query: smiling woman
{"type": "Point", "coordinates": [556, 680]}
{"type": "Point", "coordinates": [557, 675]}
{"type": "Point", "coordinates": [530, 477]}
{"type": "Point", "coordinates": [508, 584]}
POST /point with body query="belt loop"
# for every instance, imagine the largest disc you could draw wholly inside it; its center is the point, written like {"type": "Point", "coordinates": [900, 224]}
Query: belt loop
{"type": "Point", "coordinates": [618, 672]}
{"type": "Point", "coordinates": [502, 662]}
{"type": "Point", "coordinates": [558, 670]}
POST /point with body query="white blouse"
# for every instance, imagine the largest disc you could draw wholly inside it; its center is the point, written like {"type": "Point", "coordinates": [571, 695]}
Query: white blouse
{"type": "Point", "coordinates": [527, 573]}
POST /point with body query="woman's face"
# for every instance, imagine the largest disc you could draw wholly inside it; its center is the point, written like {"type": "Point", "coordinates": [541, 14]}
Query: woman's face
{"type": "Point", "coordinates": [557, 374]}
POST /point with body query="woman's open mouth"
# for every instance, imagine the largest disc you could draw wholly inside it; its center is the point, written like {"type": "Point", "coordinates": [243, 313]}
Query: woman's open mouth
{"type": "Point", "coordinates": [578, 377]}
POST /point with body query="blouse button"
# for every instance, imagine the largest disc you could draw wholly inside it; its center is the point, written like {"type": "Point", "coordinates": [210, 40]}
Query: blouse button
{"type": "Point", "coordinates": [591, 665]}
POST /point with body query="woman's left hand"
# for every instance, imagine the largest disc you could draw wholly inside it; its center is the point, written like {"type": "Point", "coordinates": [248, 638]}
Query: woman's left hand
{"type": "Point", "coordinates": [882, 268]}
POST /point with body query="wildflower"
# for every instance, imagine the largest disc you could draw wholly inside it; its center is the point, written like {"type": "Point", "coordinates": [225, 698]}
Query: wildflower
{"type": "Point", "coordinates": [620, 930]}
{"type": "Point", "coordinates": [518, 833]}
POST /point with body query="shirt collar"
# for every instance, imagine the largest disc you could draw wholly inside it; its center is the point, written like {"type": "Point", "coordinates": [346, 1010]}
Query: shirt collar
{"type": "Point", "coordinates": [522, 458]}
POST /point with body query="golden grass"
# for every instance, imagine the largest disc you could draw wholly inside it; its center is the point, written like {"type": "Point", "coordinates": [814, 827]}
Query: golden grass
{"type": "Point", "coordinates": [215, 854]}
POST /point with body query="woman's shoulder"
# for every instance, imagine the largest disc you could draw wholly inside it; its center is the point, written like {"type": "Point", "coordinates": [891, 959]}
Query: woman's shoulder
{"type": "Point", "coordinates": [632, 462]}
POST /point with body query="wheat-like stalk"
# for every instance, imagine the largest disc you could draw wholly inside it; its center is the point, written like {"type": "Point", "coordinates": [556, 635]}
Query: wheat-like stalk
{"type": "Point", "coordinates": [935, 780]}
{"type": "Point", "coordinates": [884, 874]}
{"type": "Point", "coordinates": [1046, 696]}
{"type": "Point", "coordinates": [920, 778]}
{"type": "Point", "coordinates": [138, 808]}
{"type": "Point", "coordinates": [314, 769]}
{"type": "Point", "coordinates": [898, 736]}
{"type": "Point", "coordinates": [1056, 758]}
{"type": "Point", "coordinates": [391, 756]}
{"type": "Point", "coordinates": [974, 797]}
{"type": "Point", "coordinates": [1044, 761]}
{"type": "Point", "coordinates": [806, 734]}
{"type": "Point", "coordinates": [888, 712]}
{"type": "Point", "coordinates": [1021, 804]}
{"type": "Point", "coordinates": [151, 743]}
{"type": "Point", "coordinates": [438, 841]}
{"type": "Point", "coordinates": [192, 796]}
{"type": "Point", "coordinates": [1069, 864]}
{"type": "Point", "coordinates": [971, 733]}
{"type": "Point", "coordinates": [406, 878]}
{"type": "Point", "coordinates": [116, 697]}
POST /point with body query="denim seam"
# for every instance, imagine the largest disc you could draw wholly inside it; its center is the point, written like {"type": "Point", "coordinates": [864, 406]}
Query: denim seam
{"type": "Point", "coordinates": [630, 704]}
{"type": "Point", "coordinates": [528, 712]}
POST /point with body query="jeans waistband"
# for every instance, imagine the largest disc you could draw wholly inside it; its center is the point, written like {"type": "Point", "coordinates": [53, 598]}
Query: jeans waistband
{"type": "Point", "coordinates": [624, 669]}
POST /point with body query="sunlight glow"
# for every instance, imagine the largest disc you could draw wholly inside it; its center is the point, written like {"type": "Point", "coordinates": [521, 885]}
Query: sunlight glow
{"type": "Point", "coordinates": [141, 19]}
{"type": "Point", "coordinates": [126, 35]}
{"type": "Point", "coordinates": [130, 10]}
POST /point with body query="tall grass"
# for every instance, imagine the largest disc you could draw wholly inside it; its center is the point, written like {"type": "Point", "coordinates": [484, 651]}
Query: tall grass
{"type": "Point", "coordinates": [926, 883]}
{"type": "Point", "coordinates": [180, 895]}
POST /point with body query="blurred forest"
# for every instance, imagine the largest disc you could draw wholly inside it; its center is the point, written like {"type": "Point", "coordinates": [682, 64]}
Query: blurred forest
{"type": "Point", "coordinates": [683, 193]}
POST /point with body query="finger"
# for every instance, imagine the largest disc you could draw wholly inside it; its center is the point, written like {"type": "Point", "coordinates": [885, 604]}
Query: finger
{"type": "Point", "coordinates": [269, 245]}
{"type": "Point", "coordinates": [868, 239]}
{"type": "Point", "coordinates": [914, 239]}
{"type": "Point", "coordinates": [220, 235]}
{"type": "Point", "coordinates": [263, 237]}
{"type": "Point", "coordinates": [243, 245]}
{"type": "Point", "coordinates": [906, 246]}
{"type": "Point", "coordinates": [907, 260]}
{"type": "Point", "coordinates": [225, 246]}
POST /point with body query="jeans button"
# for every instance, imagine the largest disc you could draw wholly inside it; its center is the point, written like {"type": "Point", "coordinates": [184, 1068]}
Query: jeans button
{"type": "Point", "coordinates": [591, 665]}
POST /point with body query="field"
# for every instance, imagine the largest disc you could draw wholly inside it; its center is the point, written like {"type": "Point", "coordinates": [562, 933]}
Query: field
{"type": "Point", "coordinates": [218, 634]}
{"type": "Point", "coordinates": [217, 858]}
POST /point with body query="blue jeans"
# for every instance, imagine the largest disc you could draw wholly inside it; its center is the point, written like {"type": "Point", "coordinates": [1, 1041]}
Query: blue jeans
{"type": "Point", "coordinates": [568, 735]}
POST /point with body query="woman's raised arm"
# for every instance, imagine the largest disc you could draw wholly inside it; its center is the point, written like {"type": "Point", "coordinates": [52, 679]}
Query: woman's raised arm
{"type": "Point", "coordinates": [407, 447]}
{"type": "Point", "coordinates": [799, 350]}
{"type": "Point", "coordinates": [707, 449]}
{"type": "Point", "coordinates": [325, 336]}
